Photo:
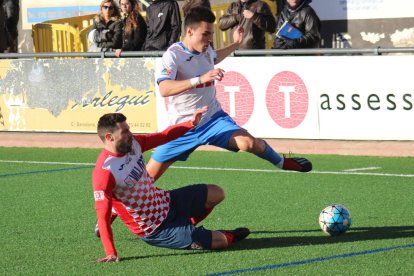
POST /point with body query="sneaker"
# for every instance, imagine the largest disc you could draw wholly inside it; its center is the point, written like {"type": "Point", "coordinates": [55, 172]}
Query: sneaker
{"type": "Point", "coordinates": [298, 164]}
{"type": "Point", "coordinates": [113, 217]}
{"type": "Point", "coordinates": [239, 233]}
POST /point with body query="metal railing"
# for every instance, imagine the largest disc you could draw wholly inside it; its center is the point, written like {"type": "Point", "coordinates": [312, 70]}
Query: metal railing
{"type": "Point", "coordinates": [239, 53]}
{"type": "Point", "coordinates": [327, 51]}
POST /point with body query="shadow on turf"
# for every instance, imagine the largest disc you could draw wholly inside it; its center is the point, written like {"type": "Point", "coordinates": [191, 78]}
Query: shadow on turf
{"type": "Point", "coordinates": [355, 234]}
{"type": "Point", "coordinates": [179, 253]}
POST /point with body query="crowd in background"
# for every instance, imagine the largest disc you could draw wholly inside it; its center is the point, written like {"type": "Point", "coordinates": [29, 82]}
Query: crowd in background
{"type": "Point", "coordinates": [119, 26]}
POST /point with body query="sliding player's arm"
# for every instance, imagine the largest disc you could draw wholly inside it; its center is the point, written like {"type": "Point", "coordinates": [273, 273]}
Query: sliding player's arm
{"type": "Point", "coordinates": [103, 183]}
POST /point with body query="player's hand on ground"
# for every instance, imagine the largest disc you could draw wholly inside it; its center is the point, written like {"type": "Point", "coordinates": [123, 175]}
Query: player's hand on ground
{"type": "Point", "coordinates": [238, 34]}
{"type": "Point", "coordinates": [212, 75]}
{"type": "Point", "coordinates": [197, 115]}
{"type": "Point", "coordinates": [108, 259]}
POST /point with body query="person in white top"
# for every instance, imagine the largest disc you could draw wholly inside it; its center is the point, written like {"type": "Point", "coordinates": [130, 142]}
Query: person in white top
{"type": "Point", "coordinates": [187, 79]}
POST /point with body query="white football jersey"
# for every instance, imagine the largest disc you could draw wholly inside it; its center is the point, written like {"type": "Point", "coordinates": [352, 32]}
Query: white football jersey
{"type": "Point", "coordinates": [179, 63]}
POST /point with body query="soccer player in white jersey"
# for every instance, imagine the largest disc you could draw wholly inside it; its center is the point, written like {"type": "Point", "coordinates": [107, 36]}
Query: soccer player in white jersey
{"type": "Point", "coordinates": [159, 217]}
{"type": "Point", "coordinates": [187, 79]}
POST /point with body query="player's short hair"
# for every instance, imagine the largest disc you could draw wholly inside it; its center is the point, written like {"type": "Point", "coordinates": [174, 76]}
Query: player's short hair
{"type": "Point", "coordinates": [108, 123]}
{"type": "Point", "coordinates": [197, 15]}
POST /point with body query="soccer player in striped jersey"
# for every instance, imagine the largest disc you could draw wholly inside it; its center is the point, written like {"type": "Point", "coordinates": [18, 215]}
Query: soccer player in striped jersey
{"type": "Point", "coordinates": [159, 217]}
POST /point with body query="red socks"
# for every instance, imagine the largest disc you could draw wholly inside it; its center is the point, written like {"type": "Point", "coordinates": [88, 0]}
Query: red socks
{"type": "Point", "coordinates": [229, 237]}
{"type": "Point", "coordinates": [196, 220]}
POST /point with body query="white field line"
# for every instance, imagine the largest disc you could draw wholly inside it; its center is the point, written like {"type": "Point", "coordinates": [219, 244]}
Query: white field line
{"type": "Point", "coordinates": [363, 169]}
{"type": "Point", "coordinates": [44, 162]}
{"type": "Point", "coordinates": [281, 171]}
{"type": "Point", "coordinates": [224, 169]}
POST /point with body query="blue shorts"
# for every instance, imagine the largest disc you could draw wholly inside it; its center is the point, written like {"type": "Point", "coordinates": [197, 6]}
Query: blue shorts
{"type": "Point", "coordinates": [177, 231]}
{"type": "Point", "coordinates": [217, 131]}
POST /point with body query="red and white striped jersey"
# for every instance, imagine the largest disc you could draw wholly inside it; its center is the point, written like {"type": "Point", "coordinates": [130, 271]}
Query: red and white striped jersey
{"type": "Point", "coordinates": [143, 206]}
{"type": "Point", "coordinates": [122, 182]}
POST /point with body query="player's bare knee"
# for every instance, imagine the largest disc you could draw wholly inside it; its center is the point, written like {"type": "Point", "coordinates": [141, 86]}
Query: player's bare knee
{"type": "Point", "coordinates": [246, 144]}
{"type": "Point", "coordinates": [215, 194]}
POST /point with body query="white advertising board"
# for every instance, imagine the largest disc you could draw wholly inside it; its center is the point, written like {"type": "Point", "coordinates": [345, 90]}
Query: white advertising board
{"type": "Point", "coordinates": [348, 97]}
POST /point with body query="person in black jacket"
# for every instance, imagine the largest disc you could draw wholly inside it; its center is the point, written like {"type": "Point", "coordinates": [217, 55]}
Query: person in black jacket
{"type": "Point", "coordinates": [12, 12]}
{"type": "Point", "coordinates": [106, 34]}
{"type": "Point", "coordinates": [299, 14]}
{"type": "Point", "coordinates": [164, 25]}
{"type": "Point", "coordinates": [4, 36]}
{"type": "Point", "coordinates": [254, 16]}
{"type": "Point", "coordinates": [134, 27]}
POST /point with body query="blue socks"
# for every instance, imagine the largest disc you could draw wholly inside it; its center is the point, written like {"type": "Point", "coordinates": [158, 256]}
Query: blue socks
{"type": "Point", "coordinates": [273, 157]}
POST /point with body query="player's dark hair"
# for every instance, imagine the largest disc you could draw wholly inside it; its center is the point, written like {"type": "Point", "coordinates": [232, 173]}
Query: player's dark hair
{"type": "Point", "coordinates": [108, 123]}
{"type": "Point", "coordinates": [197, 15]}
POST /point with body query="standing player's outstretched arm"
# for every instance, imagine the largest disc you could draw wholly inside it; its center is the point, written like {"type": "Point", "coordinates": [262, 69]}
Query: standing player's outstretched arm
{"type": "Point", "coordinates": [224, 52]}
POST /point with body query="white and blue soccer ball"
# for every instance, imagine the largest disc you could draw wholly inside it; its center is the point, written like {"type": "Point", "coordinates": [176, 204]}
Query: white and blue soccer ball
{"type": "Point", "coordinates": [335, 219]}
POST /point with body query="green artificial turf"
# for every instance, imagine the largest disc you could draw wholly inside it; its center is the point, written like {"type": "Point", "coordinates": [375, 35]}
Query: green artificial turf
{"type": "Point", "coordinates": [48, 217]}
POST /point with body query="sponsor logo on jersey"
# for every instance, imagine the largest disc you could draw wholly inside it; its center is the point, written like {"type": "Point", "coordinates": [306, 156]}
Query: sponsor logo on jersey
{"type": "Point", "coordinates": [189, 59]}
{"type": "Point", "coordinates": [99, 195]}
{"type": "Point", "coordinates": [136, 173]}
{"type": "Point", "coordinates": [160, 14]}
{"type": "Point", "coordinates": [207, 84]}
{"type": "Point", "coordinates": [129, 181]}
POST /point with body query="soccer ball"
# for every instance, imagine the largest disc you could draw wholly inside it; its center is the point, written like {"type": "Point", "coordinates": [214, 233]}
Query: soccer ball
{"type": "Point", "coordinates": [335, 219]}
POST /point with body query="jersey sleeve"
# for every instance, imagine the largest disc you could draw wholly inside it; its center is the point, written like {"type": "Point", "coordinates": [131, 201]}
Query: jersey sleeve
{"type": "Point", "coordinates": [150, 141]}
{"type": "Point", "coordinates": [168, 67]}
{"type": "Point", "coordinates": [103, 183]}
